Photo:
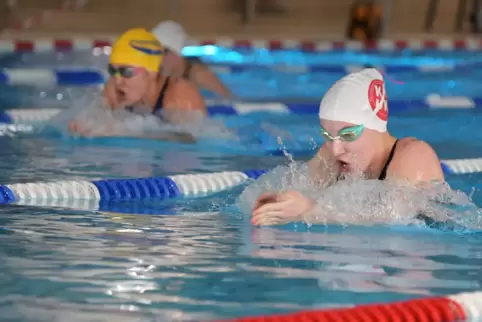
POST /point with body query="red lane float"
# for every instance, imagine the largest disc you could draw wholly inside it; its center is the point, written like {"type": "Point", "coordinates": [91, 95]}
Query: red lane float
{"type": "Point", "coordinates": [460, 307]}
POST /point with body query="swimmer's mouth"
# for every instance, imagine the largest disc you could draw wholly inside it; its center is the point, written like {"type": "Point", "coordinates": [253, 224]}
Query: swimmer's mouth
{"type": "Point", "coordinates": [343, 165]}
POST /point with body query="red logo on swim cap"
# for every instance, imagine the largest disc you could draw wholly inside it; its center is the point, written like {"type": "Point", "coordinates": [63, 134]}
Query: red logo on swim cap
{"type": "Point", "coordinates": [378, 99]}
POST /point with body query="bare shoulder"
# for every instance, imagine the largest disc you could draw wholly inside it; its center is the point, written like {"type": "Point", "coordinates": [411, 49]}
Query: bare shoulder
{"type": "Point", "coordinates": [416, 161]}
{"type": "Point", "coordinates": [412, 148]}
{"type": "Point", "coordinates": [183, 93]}
{"type": "Point", "coordinates": [184, 86]}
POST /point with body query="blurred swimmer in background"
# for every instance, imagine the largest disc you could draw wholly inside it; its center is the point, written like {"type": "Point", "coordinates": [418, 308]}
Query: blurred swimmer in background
{"type": "Point", "coordinates": [173, 37]}
{"type": "Point", "coordinates": [141, 99]}
{"type": "Point", "coordinates": [137, 86]}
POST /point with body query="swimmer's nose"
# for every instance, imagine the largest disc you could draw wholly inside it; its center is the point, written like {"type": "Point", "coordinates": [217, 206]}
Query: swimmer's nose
{"type": "Point", "coordinates": [337, 148]}
{"type": "Point", "coordinates": [118, 80]}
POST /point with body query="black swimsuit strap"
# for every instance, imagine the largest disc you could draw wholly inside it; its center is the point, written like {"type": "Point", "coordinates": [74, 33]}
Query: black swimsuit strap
{"type": "Point", "coordinates": [383, 174]}
{"type": "Point", "coordinates": [160, 100]}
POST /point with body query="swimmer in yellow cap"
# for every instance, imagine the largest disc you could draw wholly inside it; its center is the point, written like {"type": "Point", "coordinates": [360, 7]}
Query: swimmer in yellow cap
{"type": "Point", "coordinates": [135, 77]}
{"type": "Point", "coordinates": [136, 84]}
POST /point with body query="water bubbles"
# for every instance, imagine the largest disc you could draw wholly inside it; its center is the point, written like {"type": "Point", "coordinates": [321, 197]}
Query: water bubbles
{"type": "Point", "coordinates": [357, 201]}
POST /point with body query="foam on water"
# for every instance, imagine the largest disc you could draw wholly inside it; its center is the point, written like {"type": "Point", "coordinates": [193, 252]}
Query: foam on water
{"type": "Point", "coordinates": [355, 201]}
{"type": "Point", "coordinates": [245, 135]}
{"type": "Point", "coordinates": [96, 120]}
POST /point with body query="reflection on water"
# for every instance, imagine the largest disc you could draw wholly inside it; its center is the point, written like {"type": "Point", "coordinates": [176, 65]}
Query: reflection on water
{"type": "Point", "coordinates": [204, 265]}
{"type": "Point", "coordinates": [40, 159]}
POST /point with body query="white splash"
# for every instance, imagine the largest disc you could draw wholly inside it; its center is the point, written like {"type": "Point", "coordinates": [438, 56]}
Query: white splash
{"type": "Point", "coordinates": [94, 119]}
{"type": "Point", "coordinates": [355, 201]}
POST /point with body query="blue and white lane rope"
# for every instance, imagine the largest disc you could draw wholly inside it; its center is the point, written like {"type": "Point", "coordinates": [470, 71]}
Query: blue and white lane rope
{"type": "Point", "coordinates": [52, 77]}
{"type": "Point", "coordinates": [431, 102]}
{"type": "Point", "coordinates": [91, 76]}
{"type": "Point", "coordinates": [28, 115]}
{"type": "Point", "coordinates": [159, 188]}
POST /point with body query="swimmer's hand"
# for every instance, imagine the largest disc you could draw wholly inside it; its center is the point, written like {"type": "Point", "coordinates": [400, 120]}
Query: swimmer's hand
{"type": "Point", "coordinates": [280, 208]}
{"type": "Point", "coordinates": [76, 128]}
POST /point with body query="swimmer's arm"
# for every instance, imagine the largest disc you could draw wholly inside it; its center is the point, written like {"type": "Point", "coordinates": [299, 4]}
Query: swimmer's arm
{"type": "Point", "coordinates": [205, 78]}
{"type": "Point", "coordinates": [323, 213]}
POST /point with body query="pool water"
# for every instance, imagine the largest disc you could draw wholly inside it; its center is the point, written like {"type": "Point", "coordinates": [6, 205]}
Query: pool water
{"type": "Point", "coordinates": [276, 83]}
{"type": "Point", "coordinates": [195, 259]}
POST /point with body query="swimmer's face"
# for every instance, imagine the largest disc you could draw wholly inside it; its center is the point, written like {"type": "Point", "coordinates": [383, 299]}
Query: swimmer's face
{"type": "Point", "coordinates": [132, 86]}
{"type": "Point", "coordinates": [353, 151]}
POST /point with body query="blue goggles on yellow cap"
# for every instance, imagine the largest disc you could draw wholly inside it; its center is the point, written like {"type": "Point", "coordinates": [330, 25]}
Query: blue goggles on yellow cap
{"type": "Point", "coordinates": [347, 134]}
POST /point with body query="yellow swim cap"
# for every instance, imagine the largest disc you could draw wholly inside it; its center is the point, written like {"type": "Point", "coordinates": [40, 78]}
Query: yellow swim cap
{"type": "Point", "coordinates": [138, 47]}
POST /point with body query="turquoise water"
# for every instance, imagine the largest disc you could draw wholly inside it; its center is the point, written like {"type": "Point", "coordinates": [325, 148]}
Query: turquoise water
{"type": "Point", "coordinates": [200, 258]}
{"type": "Point", "coordinates": [261, 85]}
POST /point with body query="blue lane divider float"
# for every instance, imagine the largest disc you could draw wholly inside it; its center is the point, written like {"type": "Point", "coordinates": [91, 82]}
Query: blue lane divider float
{"type": "Point", "coordinates": [431, 102]}
{"type": "Point", "coordinates": [159, 188]}
{"type": "Point", "coordinates": [90, 76]}
{"type": "Point", "coordinates": [52, 77]}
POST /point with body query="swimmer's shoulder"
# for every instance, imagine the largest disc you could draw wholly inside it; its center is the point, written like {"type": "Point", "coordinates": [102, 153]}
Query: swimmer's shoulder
{"type": "Point", "coordinates": [186, 94]}
{"type": "Point", "coordinates": [414, 159]}
{"type": "Point", "coordinates": [413, 148]}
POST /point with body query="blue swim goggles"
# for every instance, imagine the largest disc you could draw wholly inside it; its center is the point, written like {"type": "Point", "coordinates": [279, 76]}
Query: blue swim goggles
{"type": "Point", "coordinates": [347, 134]}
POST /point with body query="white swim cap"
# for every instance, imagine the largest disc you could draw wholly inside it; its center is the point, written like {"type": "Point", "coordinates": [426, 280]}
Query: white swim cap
{"type": "Point", "coordinates": [171, 35]}
{"type": "Point", "coordinates": [357, 98]}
